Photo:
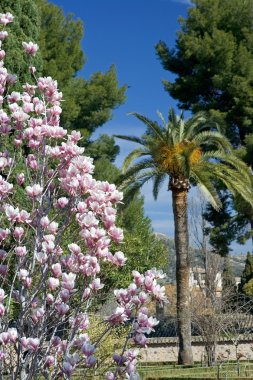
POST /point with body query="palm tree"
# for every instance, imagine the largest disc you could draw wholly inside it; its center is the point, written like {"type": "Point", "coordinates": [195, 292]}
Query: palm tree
{"type": "Point", "coordinates": [191, 152]}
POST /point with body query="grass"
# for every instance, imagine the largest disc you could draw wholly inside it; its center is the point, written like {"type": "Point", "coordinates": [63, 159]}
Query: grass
{"type": "Point", "coordinates": [227, 371]}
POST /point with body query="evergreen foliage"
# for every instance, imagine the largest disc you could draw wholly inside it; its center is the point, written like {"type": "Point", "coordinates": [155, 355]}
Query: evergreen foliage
{"type": "Point", "coordinates": [221, 230]}
{"type": "Point", "coordinates": [247, 274]}
{"type": "Point", "coordinates": [228, 277]}
{"type": "Point", "coordinates": [213, 61]}
{"type": "Point", "coordinates": [24, 28]}
{"type": "Point", "coordinates": [60, 42]}
{"type": "Point", "coordinates": [89, 103]}
{"type": "Point", "coordinates": [103, 148]}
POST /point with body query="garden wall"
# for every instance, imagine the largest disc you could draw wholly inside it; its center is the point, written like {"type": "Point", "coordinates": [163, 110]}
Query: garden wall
{"type": "Point", "coordinates": [166, 349]}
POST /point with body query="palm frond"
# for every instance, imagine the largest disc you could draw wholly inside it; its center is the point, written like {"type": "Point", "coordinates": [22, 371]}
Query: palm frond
{"type": "Point", "coordinates": [204, 183]}
{"type": "Point", "coordinates": [136, 153]}
{"type": "Point", "coordinates": [161, 118]}
{"type": "Point", "coordinates": [158, 181]}
{"type": "Point", "coordinates": [235, 181]}
{"type": "Point", "coordinates": [135, 139]}
{"type": "Point", "coordinates": [150, 124]}
{"type": "Point", "coordinates": [139, 166]}
{"type": "Point", "coordinates": [229, 160]}
{"type": "Point", "coordinates": [213, 138]}
{"type": "Point", "coordinates": [199, 123]}
{"type": "Point", "coordinates": [134, 183]}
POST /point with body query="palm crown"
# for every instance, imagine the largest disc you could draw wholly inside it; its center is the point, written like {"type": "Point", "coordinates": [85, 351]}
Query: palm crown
{"type": "Point", "coordinates": [193, 152]}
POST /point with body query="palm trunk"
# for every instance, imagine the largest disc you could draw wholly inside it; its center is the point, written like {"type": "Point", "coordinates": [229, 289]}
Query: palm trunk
{"type": "Point", "coordinates": [179, 198]}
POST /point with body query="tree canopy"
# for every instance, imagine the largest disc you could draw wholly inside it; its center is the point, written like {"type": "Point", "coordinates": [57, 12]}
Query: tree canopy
{"type": "Point", "coordinates": [213, 63]}
{"type": "Point", "coordinates": [213, 60]}
{"type": "Point", "coordinates": [25, 27]}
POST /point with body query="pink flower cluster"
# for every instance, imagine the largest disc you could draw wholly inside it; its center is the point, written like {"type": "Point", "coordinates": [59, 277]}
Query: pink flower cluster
{"type": "Point", "coordinates": [41, 277]}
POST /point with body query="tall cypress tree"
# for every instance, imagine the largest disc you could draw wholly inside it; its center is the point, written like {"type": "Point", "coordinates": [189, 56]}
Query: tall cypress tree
{"type": "Point", "coordinates": [247, 273]}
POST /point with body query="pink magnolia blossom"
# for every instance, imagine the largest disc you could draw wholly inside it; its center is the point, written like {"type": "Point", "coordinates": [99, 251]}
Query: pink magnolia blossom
{"type": "Point", "coordinates": [18, 232]}
{"type": "Point", "coordinates": [2, 294]}
{"type": "Point", "coordinates": [30, 48]}
{"type": "Point", "coordinates": [62, 202]}
{"type": "Point", "coordinates": [116, 234]}
{"type": "Point", "coordinates": [20, 251]}
{"type": "Point", "coordinates": [96, 285]}
{"type": "Point", "coordinates": [4, 338]}
{"type": "Point", "coordinates": [50, 299]}
{"type": "Point", "coordinates": [2, 309]}
{"type": "Point", "coordinates": [11, 79]}
{"type": "Point", "coordinates": [52, 227]}
{"type": "Point", "coordinates": [4, 233]}
{"type": "Point", "coordinates": [110, 376]}
{"type": "Point", "coordinates": [68, 281]}
{"type": "Point", "coordinates": [20, 178]}
{"type": "Point", "coordinates": [6, 18]}
{"type": "Point", "coordinates": [56, 269]}
{"type": "Point", "coordinates": [23, 274]}
{"type": "Point", "coordinates": [50, 361]}
{"type": "Point", "coordinates": [3, 35]}
{"type": "Point", "coordinates": [34, 191]}
{"type": "Point", "coordinates": [65, 295]}
{"type": "Point", "coordinates": [68, 368]}
{"type": "Point", "coordinates": [5, 188]}
{"type": "Point", "coordinates": [88, 349]}
{"type": "Point", "coordinates": [119, 259]}
{"type": "Point", "coordinates": [13, 334]}
{"type": "Point", "coordinates": [62, 308]}
{"type": "Point", "coordinates": [30, 343]}
{"type": "Point", "coordinates": [32, 161]}
{"type": "Point", "coordinates": [2, 54]}
{"type": "Point", "coordinates": [91, 361]}
{"type": "Point", "coordinates": [32, 69]}
{"type": "Point", "coordinates": [53, 283]}
{"type": "Point", "coordinates": [44, 221]}
{"type": "Point", "coordinates": [3, 270]}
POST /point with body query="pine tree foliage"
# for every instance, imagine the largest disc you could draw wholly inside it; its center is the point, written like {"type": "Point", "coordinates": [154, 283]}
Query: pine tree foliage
{"type": "Point", "coordinates": [213, 63]}
{"type": "Point", "coordinates": [24, 28]}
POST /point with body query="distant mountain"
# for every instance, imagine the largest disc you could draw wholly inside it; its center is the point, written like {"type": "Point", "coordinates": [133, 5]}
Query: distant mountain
{"type": "Point", "coordinates": [237, 261]}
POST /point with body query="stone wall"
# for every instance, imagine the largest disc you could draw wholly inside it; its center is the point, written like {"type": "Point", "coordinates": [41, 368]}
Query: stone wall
{"type": "Point", "coordinates": [166, 349]}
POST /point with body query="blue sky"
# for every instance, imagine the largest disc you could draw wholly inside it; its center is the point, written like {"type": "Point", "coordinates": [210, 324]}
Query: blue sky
{"type": "Point", "coordinates": [124, 33]}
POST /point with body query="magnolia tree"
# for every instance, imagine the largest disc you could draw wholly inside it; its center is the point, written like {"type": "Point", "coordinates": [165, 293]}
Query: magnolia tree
{"type": "Point", "coordinates": [46, 290]}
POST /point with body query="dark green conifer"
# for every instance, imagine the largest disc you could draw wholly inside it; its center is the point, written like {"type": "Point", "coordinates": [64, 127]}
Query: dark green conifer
{"type": "Point", "coordinates": [247, 273]}
{"type": "Point", "coordinates": [24, 28]}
